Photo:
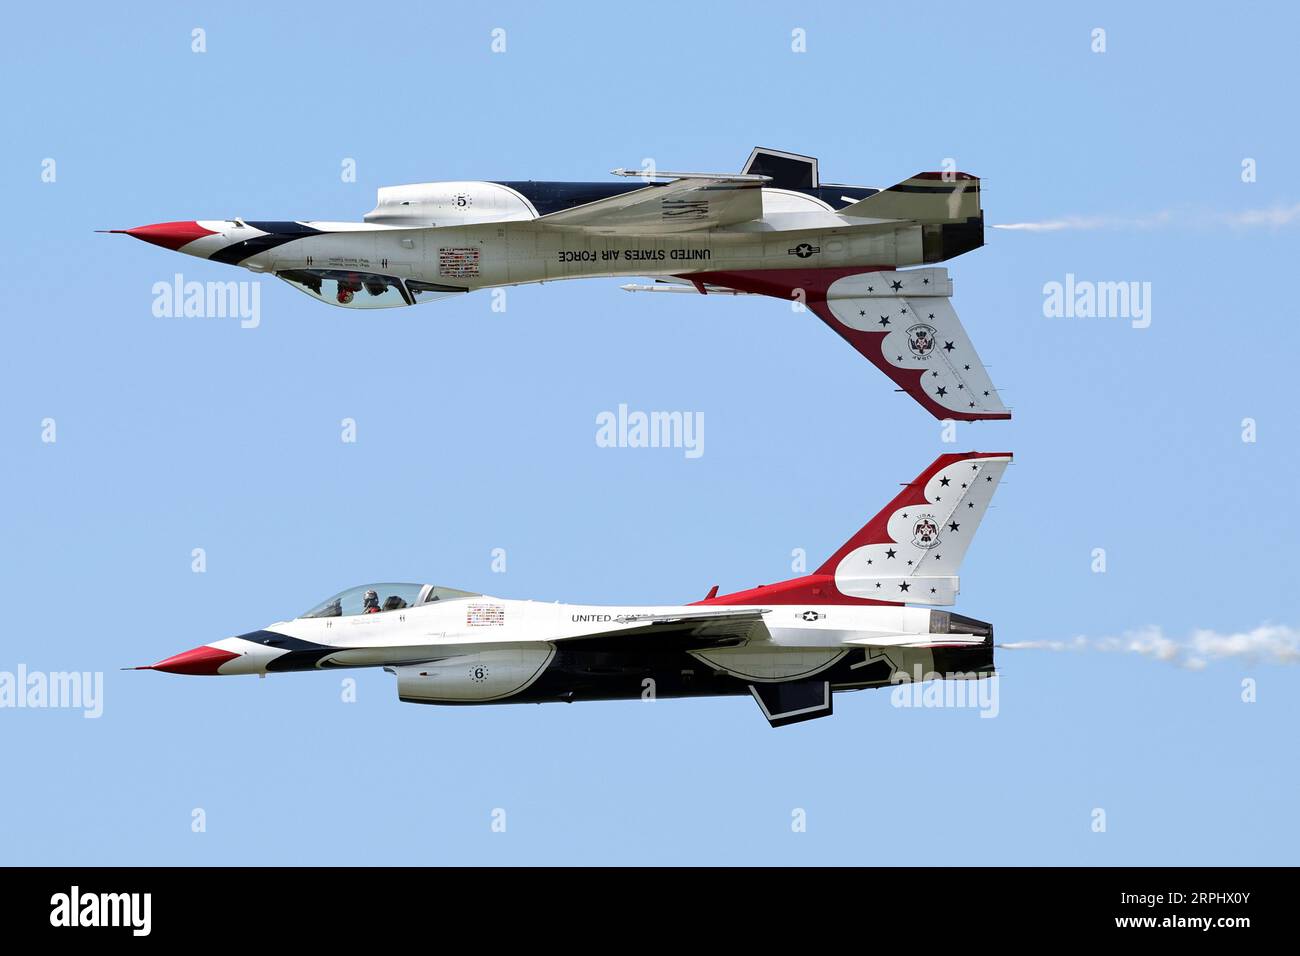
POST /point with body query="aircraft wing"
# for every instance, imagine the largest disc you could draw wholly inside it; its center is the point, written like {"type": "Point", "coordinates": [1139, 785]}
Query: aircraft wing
{"type": "Point", "coordinates": [683, 205]}
{"type": "Point", "coordinates": [686, 629]}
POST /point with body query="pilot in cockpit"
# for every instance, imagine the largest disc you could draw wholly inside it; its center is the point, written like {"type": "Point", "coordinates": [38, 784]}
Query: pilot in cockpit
{"type": "Point", "coordinates": [371, 605]}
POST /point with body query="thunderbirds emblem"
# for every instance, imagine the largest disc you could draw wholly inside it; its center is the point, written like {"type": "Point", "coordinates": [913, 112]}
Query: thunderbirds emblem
{"type": "Point", "coordinates": [920, 339]}
{"type": "Point", "coordinates": [925, 532]}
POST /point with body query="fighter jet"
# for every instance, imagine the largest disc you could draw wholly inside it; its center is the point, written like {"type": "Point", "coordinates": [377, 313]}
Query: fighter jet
{"type": "Point", "coordinates": [866, 618]}
{"type": "Point", "coordinates": [772, 229]}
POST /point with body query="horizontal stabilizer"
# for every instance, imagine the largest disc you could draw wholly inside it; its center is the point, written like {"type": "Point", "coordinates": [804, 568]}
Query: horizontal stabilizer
{"type": "Point", "coordinates": [919, 640]}
{"type": "Point", "coordinates": [925, 198]}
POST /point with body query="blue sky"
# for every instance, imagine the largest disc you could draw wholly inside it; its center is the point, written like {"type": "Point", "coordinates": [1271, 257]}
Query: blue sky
{"type": "Point", "coordinates": [476, 431]}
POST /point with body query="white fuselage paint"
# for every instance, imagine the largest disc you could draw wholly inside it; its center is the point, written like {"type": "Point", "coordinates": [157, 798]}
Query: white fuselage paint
{"type": "Point", "coordinates": [793, 640]}
{"type": "Point", "coordinates": [515, 247]}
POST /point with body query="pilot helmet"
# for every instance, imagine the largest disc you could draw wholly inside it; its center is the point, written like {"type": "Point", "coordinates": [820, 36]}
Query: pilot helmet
{"type": "Point", "coordinates": [372, 598]}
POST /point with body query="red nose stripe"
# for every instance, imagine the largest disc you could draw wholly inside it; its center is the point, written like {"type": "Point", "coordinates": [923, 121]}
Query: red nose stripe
{"type": "Point", "coordinates": [201, 660]}
{"type": "Point", "coordinates": [169, 235]}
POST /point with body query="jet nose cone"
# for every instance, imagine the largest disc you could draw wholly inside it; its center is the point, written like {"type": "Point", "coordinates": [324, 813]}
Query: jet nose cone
{"type": "Point", "coordinates": [201, 660]}
{"type": "Point", "coordinates": [169, 235]}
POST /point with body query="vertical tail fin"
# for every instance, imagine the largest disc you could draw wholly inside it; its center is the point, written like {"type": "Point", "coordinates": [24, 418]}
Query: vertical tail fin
{"type": "Point", "coordinates": [910, 552]}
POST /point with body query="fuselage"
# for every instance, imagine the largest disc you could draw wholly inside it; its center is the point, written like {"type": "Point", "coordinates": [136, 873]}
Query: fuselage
{"type": "Point", "coordinates": [839, 252]}
{"type": "Point", "coordinates": [481, 649]}
{"type": "Point", "coordinates": [428, 240]}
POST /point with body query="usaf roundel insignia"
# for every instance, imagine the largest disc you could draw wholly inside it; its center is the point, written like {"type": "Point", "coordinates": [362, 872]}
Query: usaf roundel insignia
{"type": "Point", "coordinates": [925, 532]}
{"type": "Point", "coordinates": [920, 339]}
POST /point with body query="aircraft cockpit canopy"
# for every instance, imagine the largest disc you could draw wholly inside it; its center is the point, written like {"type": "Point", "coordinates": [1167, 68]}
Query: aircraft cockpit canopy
{"type": "Point", "coordinates": [378, 598]}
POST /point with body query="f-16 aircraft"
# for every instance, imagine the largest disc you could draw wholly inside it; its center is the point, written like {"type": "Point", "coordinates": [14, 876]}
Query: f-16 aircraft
{"type": "Point", "coordinates": [772, 229]}
{"type": "Point", "coordinates": [852, 624]}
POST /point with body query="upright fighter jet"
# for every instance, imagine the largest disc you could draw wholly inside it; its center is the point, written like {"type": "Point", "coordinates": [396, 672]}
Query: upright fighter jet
{"type": "Point", "coordinates": [772, 229]}
{"type": "Point", "coordinates": [864, 619]}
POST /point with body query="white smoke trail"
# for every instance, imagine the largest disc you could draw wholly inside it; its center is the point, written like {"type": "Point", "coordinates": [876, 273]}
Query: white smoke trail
{"type": "Point", "coordinates": [1273, 218]}
{"type": "Point", "coordinates": [1270, 643]}
{"type": "Point", "coordinates": [1089, 223]}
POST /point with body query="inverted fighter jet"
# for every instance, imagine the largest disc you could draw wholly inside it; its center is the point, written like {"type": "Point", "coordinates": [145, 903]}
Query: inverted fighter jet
{"type": "Point", "coordinates": [773, 229]}
{"type": "Point", "coordinates": [866, 618]}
